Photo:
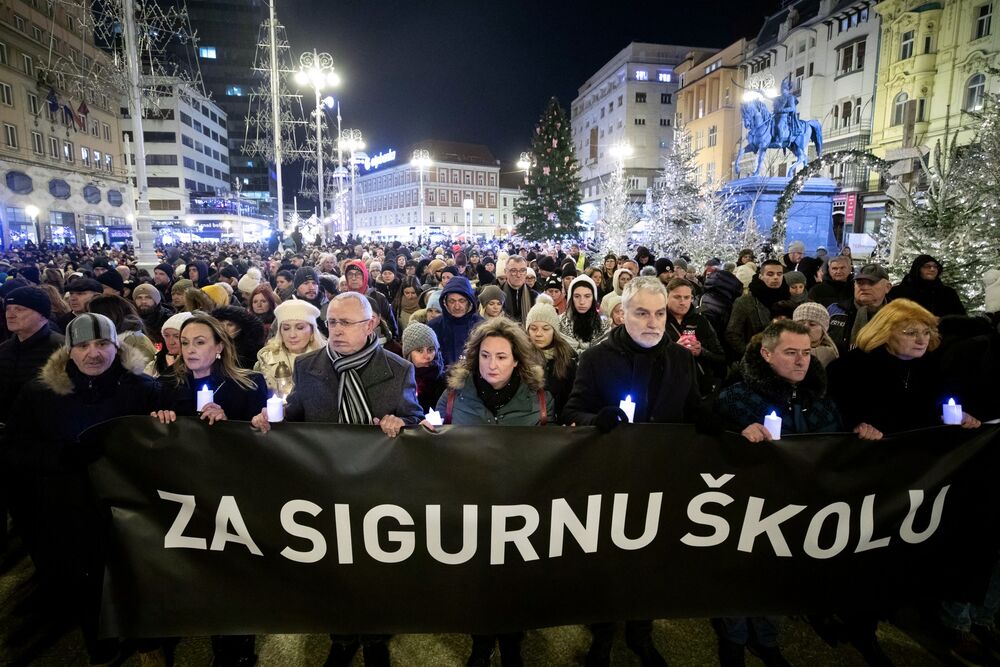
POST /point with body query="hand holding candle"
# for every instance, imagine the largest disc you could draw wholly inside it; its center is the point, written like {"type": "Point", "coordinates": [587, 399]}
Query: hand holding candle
{"type": "Point", "coordinates": [772, 423]}
{"type": "Point", "coordinates": [628, 407]}
{"type": "Point", "coordinates": [952, 414]}
{"type": "Point", "coordinates": [275, 409]}
{"type": "Point", "coordinates": [433, 418]}
{"type": "Point", "coordinates": [205, 396]}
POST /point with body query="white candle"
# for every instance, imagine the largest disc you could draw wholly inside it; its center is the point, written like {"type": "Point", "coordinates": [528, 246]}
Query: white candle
{"type": "Point", "coordinates": [205, 396]}
{"type": "Point", "coordinates": [952, 413]}
{"type": "Point", "coordinates": [275, 409]}
{"type": "Point", "coordinates": [628, 407]}
{"type": "Point", "coordinates": [772, 423]}
{"type": "Point", "coordinates": [434, 418]}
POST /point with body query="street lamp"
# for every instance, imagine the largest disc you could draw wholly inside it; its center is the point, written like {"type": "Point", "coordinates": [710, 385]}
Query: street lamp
{"type": "Point", "coordinates": [468, 205]}
{"type": "Point", "coordinates": [316, 69]}
{"type": "Point", "coordinates": [524, 163]}
{"type": "Point", "coordinates": [32, 212]}
{"type": "Point", "coordinates": [421, 159]}
{"type": "Point", "coordinates": [351, 140]}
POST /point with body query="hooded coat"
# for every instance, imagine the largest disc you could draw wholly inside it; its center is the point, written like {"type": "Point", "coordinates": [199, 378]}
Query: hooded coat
{"type": "Point", "coordinates": [452, 332]}
{"type": "Point", "coordinates": [203, 273]}
{"type": "Point", "coordinates": [721, 291]}
{"type": "Point", "coordinates": [803, 408]}
{"type": "Point", "coordinates": [251, 337]}
{"type": "Point", "coordinates": [933, 295]}
{"type": "Point", "coordinates": [751, 314]}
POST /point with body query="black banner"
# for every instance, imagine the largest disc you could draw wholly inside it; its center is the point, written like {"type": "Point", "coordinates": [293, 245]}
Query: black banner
{"type": "Point", "coordinates": [326, 528]}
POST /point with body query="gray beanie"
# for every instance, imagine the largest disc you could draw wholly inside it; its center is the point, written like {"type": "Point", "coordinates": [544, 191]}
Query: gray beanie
{"type": "Point", "coordinates": [416, 336]}
{"type": "Point", "coordinates": [491, 293]}
{"type": "Point", "coordinates": [795, 278]}
{"type": "Point", "coordinates": [90, 326]}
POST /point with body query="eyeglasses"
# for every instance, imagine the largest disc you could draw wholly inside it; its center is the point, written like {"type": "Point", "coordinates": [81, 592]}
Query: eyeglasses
{"type": "Point", "coordinates": [918, 333]}
{"type": "Point", "coordinates": [343, 324]}
{"type": "Point", "coordinates": [518, 272]}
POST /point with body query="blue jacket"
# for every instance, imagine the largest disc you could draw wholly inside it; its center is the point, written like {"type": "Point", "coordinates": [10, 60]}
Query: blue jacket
{"type": "Point", "coordinates": [452, 332]}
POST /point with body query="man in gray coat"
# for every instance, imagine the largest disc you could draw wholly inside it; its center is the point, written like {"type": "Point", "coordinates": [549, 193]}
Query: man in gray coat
{"type": "Point", "coordinates": [353, 381]}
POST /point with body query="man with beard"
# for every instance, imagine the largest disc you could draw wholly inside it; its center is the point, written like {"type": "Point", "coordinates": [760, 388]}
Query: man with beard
{"type": "Point", "coordinates": [147, 301]}
{"type": "Point", "coordinates": [306, 286]}
{"type": "Point", "coordinates": [752, 311]}
{"type": "Point", "coordinates": [163, 278]}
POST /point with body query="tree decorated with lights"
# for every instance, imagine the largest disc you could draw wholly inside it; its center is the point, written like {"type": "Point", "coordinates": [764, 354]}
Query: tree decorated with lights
{"type": "Point", "coordinates": [678, 200]}
{"type": "Point", "coordinates": [721, 229]}
{"type": "Point", "coordinates": [619, 214]}
{"type": "Point", "coordinates": [549, 207]}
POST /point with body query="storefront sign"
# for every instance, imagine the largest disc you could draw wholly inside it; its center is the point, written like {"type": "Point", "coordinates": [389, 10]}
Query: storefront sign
{"type": "Point", "coordinates": [376, 161]}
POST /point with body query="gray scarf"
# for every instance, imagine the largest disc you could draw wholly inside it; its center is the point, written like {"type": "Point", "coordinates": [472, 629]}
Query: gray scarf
{"type": "Point", "coordinates": [351, 397]}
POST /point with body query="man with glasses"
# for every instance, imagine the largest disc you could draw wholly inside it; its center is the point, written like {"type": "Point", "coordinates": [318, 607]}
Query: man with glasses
{"type": "Point", "coordinates": [458, 319]}
{"type": "Point", "coordinates": [847, 318]}
{"type": "Point", "coordinates": [520, 297]}
{"type": "Point", "coordinates": [356, 280]}
{"type": "Point", "coordinates": [352, 380]}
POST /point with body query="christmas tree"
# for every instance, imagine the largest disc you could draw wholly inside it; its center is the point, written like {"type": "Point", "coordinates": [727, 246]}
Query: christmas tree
{"type": "Point", "coordinates": [549, 208]}
{"type": "Point", "coordinates": [677, 199]}
{"type": "Point", "coordinates": [720, 229]}
{"type": "Point", "coordinates": [619, 214]}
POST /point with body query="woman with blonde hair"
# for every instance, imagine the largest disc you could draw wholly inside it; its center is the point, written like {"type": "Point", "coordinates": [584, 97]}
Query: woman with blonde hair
{"type": "Point", "coordinates": [296, 332]}
{"type": "Point", "coordinates": [499, 380]}
{"type": "Point", "coordinates": [894, 358]}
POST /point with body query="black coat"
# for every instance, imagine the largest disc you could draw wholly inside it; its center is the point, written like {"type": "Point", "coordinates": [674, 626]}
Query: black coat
{"type": "Point", "coordinates": [238, 402]}
{"type": "Point", "coordinates": [20, 363]}
{"type": "Point", "coordinates": [711, 363]}
{"type": "Point", "coordinates": [832, 291]}
{"type": "Point", "coordinates": [662, 381]}
{"type": "Point", "coordinates": [560, 388]}
{"type": "Point", "coordinates": [933, 295]}
{"type": "Point", "coordinates": [721, 291]}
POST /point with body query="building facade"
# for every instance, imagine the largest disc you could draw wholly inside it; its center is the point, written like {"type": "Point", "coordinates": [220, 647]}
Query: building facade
{"type": "Point", "coordinates": [61, 155]}
{"type": "Point", "coordinates": [708, 98]}
{"type": "Point", "coordinates": [629, 101]}
{"type": "Point", "coordinates": [464, 192]}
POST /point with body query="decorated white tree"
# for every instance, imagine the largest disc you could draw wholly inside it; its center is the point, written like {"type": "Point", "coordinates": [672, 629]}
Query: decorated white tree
{"type": "Point", "coordinates": [721, 229]}
{"type": "Point", "coordinates": [619, 214]}
{"type": "Point", "coordinates": [677, 198]}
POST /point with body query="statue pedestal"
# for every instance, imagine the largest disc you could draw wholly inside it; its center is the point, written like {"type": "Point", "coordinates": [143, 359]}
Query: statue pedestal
{"type": "Point", "coordinates": [810, 217]}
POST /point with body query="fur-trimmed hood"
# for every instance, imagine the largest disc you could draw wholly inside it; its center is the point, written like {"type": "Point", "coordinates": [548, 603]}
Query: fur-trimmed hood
{"type": "Point", "coordinates": [55, 377]}
{"type": "Point", "coordinates": [533, 376]}
{"type": "Point", "coordinates": [761, 379]}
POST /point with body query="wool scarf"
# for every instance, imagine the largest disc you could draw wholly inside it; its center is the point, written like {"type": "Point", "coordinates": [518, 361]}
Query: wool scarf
{"type": "Point", "coordinates": [351, 396]}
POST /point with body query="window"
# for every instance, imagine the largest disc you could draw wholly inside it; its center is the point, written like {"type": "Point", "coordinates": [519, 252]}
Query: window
{"type": "Point", "coordinates": [640, 98]}
{"type": "Point", "coordinates": [620, 99]}
{"type": "Point", "coordinates": [920, 109]}
{"type": "Point", "coordinates": [906, 45]}
{"type": "Point", "coordinates": [95, 128]}
{"type": "Point", "coordinates": [187, 141]}
{"type": "Point", "coordinates": [68, 151]}
{"type": "Point", "coordinates": [844, 24]}
{"type": "Point", "coordinates": [36, 33]}
{"type": "Point", "coordinates": [33, 104]}
{"type": "Point", "coordinates": [37, 144]}
{"type": "Point", "coordinates": [640, 121]}
{"type": "Point", "coordinates": [189, 163]}
{"type": "Point", "coordinates": [663, 77]}
{"type": "Point", "coordinates": [97, 159]}
{"type": "Point", "coordinates": [234, 91]}
{"type": "Point", "coordinates": [665, 98]}
{"type": "Point", "coordinates": [10, 135]}
{"type": "Point", "coordinates": [984, 21]}
{"type": "Point", "coordinates": [845, 116]}
{"type": "Point", "coordinates": [899, 109]}
{"type": "Point", "coordinates": [20, 23]}
{"type": "Point", "coordinates": [54, 148]}
{"type": "Point", "coordinates": [712, 136]}
{"type": "Point", "coordinates": [975, 92]}
{"type": "Point", "coordinates": [207, 52]}
{"type": "Point", "coordinates": [3, 53]}
{"type": "Point", "coordinates": [163, 182]}
{"type": "Point", "coordinates": [85, 156]}
{"type": "Point", "coordinates": [664, 122]}
{"type": "Point", "coordinates": [641, 75]}
{"type": "Point", "coordinates": [106, 131]}
{"type": "Point", "coordinates": [186, 119]}
{"type": "Point", "coordinates": [6, 95]}
{"type": "Point", "coordinates": [162, 160]}
{"type": "Point", "coordinates": [28, 66]}
{"type": "Point", "coordinates": [109, 163]}
{"type": "Point", "coordinates": [716, 65]}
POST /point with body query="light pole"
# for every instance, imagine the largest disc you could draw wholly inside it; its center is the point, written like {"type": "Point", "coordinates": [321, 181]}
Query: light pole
{"type": "Point", "coordinates": [351, 140]}
{"type": "Point", "coordinates": [316, 69]}
{"type": "Point", "coordinates": [524, 163]}
{"type": "Point", "coordinates": [468, 205]}
{"type": "Point", "coordinates": [32, 212]}
{"type": "Point", "coordinates": [421, 159]}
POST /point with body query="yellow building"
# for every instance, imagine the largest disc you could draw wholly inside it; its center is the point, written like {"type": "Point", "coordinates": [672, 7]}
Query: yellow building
{"type": "Point", "coordinates": [934, 69]}
{"type": "Point", "coordinates": [708, 107]}
{"type": "Point", "coordinates": [61, 156]}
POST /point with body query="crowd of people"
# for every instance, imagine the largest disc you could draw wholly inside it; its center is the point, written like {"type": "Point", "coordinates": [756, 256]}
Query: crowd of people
{"type": "Point", "coordinates": [489, 334]}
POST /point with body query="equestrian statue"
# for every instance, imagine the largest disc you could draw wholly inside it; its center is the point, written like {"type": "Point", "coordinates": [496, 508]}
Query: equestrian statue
{"type": "Point", "coordinates": [781, 129]}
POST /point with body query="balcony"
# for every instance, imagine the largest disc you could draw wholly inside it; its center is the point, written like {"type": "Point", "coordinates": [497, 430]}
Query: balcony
{"type": "Point", "coordinates": [864, 127]}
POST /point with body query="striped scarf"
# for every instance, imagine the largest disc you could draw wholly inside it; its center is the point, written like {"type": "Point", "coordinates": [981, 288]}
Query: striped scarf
{"type": "Point", "coordinates": [351, 397]}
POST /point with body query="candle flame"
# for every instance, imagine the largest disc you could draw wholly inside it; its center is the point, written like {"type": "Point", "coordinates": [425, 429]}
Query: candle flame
{"type": "Point", "coordinates": [951, 401]}
{"type": "Point", "coordinates": [205, 388]}
{"type": "Point", "coordinates": [773, 414]}
{"type": "Point", "coordinates": [628, 398]}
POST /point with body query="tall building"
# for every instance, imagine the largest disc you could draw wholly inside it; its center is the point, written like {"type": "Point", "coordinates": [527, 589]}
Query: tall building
{"type": "Point", "coordinates": [60, 145]}
{"type": "Point", "coordinates": [630, 100]}
{"type": "Point", "coordinates": [708, 99]}
{"type": "Point", "coordinates": [228, 32]}
{"type": "Point", "coordinates": [828, 51]}
{"type": "Point", "coordinates": [464, 189]}
{"type": "Point", "coordinates": [937, 62]}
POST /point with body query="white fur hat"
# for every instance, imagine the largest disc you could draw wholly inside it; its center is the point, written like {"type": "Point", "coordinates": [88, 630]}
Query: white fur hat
{"type": "Point", "coordinates": [295, 309]}
{"type": "Point", "coordinates": [991, 281]}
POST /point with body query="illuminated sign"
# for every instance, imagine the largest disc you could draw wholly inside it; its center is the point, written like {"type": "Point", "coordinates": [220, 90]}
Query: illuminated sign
{"type": "Point", "coordinates": [761, 82]}
{"type": "Point", "coordinates": [376, 161]}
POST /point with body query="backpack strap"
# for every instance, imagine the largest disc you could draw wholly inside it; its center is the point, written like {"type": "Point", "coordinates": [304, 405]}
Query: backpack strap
{"type": "Point", "coordinates": [451, 404]}
{"type": "Point", "coordinates": [542, 408]}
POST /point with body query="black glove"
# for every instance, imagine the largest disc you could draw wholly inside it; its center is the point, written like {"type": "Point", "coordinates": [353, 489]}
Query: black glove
{"type": "Point", "coordinates": [609, 417]}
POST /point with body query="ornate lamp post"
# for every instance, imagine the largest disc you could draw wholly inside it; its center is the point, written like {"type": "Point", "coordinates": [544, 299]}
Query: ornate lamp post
{"type": "Point", "coordinates": [316, 69]}
{"type": "Point", "coordinates": [421, 159]}
{"type": "Point", "coordinates": [351, 141]}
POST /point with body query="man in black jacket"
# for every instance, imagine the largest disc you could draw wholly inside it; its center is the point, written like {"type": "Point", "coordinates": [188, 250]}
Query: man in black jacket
{"type": "Point", "coordinates": [837, 285]}
{"type": "Point", "coordinates": [639, 360]}
{"type": "Point", "coordinates": [694, 332]}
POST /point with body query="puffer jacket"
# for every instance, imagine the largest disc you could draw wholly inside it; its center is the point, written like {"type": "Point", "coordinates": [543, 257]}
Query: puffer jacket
{"type": "Point", "coordinates": [523, 409]}
{"type": "Point", "coordinates": [452, 332]}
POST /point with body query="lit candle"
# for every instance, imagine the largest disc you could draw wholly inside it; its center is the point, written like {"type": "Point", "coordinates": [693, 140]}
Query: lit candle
{"type": "Point", "coordinates": [628, 407]}
{"type": "Point", "coordinates": [205, 396]}
{"type": "Point", "coordinates": [772, 423]}
{"type": "Point", "coordinates": [275, 409]}
{"type": "Point", "coordinates": [434, 418]}
{"type": "Point", "coordinates": [952, 413]}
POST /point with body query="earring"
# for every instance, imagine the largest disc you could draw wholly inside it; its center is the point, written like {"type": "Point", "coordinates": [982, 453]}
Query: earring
{"type": "Point", "coordinates": [218, 355]}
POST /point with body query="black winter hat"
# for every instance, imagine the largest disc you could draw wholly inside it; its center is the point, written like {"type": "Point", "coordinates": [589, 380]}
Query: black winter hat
{"type": "Point", "coordinates": [166, 268]}
{"type": "Point", "coordinates": [229, 271]}
{"type": "Point", "coordinates": [546, 263]}
{"type": "Point", "coordinates": [11, 285]}
{"type": "Point", "coordinates": [102, 262]}
{"type": "Point", "coordinates": [112, 279]}
{"type": "Point", "coordinates": [663, 264]}
{"type": "Point", "coordinates": [34, 298]}
{"type": "Point", "coordinates": [304, 274]}
{"type": "Point", "coordinates": [86, 285]}
{"type": "Point", "coordinates": [453, 270]}
{"type": "Point", "coordinates": [30, 273]}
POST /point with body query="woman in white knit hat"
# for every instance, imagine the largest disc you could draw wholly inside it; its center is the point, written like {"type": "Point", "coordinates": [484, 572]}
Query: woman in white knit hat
{"type": "Point", "coordinates": [816, 317]}
{"type": "Point", "coordinates": [542, 324]}
{"type": "Point", "coordinates": [297, 333]}
{"type": "Point", "coordinates": [581, 324]}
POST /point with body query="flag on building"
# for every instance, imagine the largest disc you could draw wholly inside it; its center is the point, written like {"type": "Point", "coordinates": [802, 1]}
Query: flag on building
{"type": "Point", "coordinates": [52, 100]}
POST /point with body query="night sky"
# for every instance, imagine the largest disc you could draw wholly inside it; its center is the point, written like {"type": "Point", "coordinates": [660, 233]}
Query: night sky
{"type": "Point", "coordinates": [482, 71]}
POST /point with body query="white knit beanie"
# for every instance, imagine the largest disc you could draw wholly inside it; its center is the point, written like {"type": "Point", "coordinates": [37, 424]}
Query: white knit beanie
{"type": "Point", "coordinates": [295, 309]}
{"type": "Point", "coordinates": [991, 281]}
{"type": "Point", "coordinates": [582, 279]}
{"type": "Point", "coordinates": [543, 311]}
{"type": "Point", "coordinates": [176, 321]}
{"type": "Point", "coordinates": [250, 281]}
